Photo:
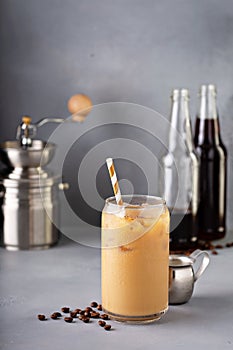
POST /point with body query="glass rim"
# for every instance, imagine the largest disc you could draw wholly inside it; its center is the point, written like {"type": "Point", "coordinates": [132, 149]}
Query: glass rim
{"type": "Point", "coordinates": [110, 201]}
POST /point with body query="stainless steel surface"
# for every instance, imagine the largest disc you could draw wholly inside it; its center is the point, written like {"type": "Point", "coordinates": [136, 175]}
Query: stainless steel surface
{"type": "Point", "coordinates": [27, 225]}
{"type": "Point", "coordinates": [30, 201]}
{"type": "Point", "coordinates": [182, 275]}
{"type": "Point", "coordinates": [12, 154]}
{"type": "Point", "coordinates": [27, 131]}
{"type": "Point", "coordinates": [49, 120]}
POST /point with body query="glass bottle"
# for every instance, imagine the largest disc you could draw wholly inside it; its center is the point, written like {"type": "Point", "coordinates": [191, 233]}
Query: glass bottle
{"type": "Point", "coordinates": [213, 159]}
{"type": "Point", "coordinates": [180, 175]}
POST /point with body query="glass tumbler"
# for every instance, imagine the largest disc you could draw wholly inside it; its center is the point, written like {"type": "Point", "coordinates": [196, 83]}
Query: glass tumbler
{"type": "Point", "coordinates": [135, 258]}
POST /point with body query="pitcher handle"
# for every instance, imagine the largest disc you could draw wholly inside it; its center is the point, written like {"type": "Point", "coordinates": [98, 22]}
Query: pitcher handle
{"type": "Point", "coordinates": [204, 263]}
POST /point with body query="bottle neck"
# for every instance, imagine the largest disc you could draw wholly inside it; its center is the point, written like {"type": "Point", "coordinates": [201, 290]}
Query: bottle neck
{"type": "Point", "coordinates": [208, 107]}
{"type": "Point", "coordinates": [207, 125]}
{"type": "Point", "coordinates": [180, 132]}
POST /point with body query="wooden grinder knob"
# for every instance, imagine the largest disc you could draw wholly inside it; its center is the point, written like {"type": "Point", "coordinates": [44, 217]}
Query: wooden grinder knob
{"type": "Point", "coordinates": [26, 119]}
{"type": "Point", "coordinates": [79, 106]}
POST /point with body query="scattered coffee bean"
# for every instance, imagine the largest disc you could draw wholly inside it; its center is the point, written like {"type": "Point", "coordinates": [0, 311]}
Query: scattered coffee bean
{"type": "Point", "coordinates": [99, 307]}
{"type": "Point", "coordinates": [205, 246]}
{"type": "Point", "coordinates": [54, 316]}
{"type": "Point", "coordinates": [94, 304]}
{"type": "Point", "coordinates": [41, 317]}
{"type": "Point", "coordinates": [88, 308]}
{"type": "Point", "coordinates": [214, 252]}
{"type": "Point", "coordinates": [104, 317]}
{"type": "Point", "coordinates": [77, 311]}
{"type": "Point", "coordinates": [65, 309]}
{"type": "Point", "coordinates": [85, 319]}
{"type": "Point", "coordinates": [87, 313]}
{"type": "Point", "coordinates": [102, 323]}
{"type": "Point", "coordinates": [219, 246]}
{"type": "Point", "coordinates": [84, 314]}
{"type": "Point", "coordinates": [107, 327]}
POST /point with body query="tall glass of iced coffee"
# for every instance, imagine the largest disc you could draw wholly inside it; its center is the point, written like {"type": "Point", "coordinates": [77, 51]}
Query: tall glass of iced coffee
{"type": "Point", "coordinates": [135, 255]}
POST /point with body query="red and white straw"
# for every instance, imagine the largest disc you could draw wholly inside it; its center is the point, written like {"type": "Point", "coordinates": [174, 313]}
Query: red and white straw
{"type": "Point", "coordinates": [114, 181]}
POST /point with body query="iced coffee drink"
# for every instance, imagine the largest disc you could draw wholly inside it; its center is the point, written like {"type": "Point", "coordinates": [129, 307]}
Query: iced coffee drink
{"type": "Point", "coordinates": [135, 255]}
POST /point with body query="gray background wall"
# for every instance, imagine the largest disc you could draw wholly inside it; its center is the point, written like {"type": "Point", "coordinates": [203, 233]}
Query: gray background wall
{"type": "Point", "coordinates": [122, 50]}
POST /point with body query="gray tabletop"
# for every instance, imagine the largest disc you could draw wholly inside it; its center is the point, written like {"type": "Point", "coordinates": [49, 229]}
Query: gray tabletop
{"type": "Point", "coordinates": [34, 282]}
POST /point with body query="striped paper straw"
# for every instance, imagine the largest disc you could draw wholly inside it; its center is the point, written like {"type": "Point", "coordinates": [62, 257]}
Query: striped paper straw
{"type": "Point", "coordinates": [114, 181]}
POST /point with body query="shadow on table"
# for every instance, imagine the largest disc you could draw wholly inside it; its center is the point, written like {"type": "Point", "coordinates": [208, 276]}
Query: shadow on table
{"type": "Point", "coordinates": [64, 240]}
{"type": "Point", "coordinates": [198, 308]}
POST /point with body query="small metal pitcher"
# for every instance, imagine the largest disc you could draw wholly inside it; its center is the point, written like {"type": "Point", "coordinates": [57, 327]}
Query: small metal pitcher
{"type": "Point", "coordinates": [182, 275]}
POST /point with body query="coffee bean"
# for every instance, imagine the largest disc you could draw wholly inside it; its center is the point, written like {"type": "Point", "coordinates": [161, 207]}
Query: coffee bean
{"type": "Point", "coordinates": [95, 314]}
{"type": "Point", "coordinates": [102, 323]}
{"type": "Point", "coordinates": [73, 314]}
{"type": "Point", "coordinates": [85, 319]}
{"type": "Point", "coordinates": [65, 309]}
{"type": "Point", "coordinates": [214, 252]}
{"type": "Point", "coordinates": [99, 307]}
{"type": "Point", "coordinates": [82, 312]}
{"type": "Point", "coordinates": [104, 317]}
{"type": "Point", "coordinates": [219, 246]}
{"type": "Point", "coordinates": [94, 304]}
{"type": "Point", "coordinates": [87, 314]}
{"type": "Point", "coordinates": [41, 317]}
{"type": "Point", "coordinates": [77, 311]}
{"type": "Point", "coordinates": [107, 327]}
{"type": "Point", "coordinates": [88, 308]}
{"type": "Point", "coordinates": [81, 317]}
{"type": "Point", "coordinates": [68, 319]}
{"type": "Point", "coordinates": [53, 316]}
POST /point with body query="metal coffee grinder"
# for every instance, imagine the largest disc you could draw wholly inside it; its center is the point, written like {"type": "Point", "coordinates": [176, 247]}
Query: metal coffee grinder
{"type": "Point", "coordinates": [25, 181]}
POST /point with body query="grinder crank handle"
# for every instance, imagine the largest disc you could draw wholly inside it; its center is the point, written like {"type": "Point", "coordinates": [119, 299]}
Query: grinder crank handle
{"type": "Point", "coordinates": [79, 106]}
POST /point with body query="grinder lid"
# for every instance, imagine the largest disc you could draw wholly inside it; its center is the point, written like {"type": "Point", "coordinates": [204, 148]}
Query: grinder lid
{"type": "Point", "coordinates": [13, 155]}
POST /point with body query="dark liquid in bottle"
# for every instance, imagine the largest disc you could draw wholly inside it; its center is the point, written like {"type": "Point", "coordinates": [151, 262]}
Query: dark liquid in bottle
{"type": "Point", "coordinates": [212, 208]}
{"type": "Point", "coordinates": [183, 231]}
